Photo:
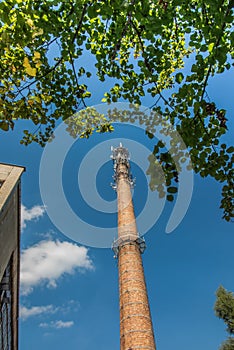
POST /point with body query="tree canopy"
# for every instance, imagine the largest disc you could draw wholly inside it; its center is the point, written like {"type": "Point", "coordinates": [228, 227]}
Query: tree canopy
{"type": "Point", "coordinates": [228, 344]}
{"type": "Point", "coordinates": [167, 50]}
{"type": "Point", "coordinates": [224, 308]}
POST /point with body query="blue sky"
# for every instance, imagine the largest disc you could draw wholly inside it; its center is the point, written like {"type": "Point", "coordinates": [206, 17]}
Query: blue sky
{"type": "Point", "coordinates": [69, 294]}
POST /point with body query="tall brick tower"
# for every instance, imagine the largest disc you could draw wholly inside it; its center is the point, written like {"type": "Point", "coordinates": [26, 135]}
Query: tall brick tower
{"type": "Point", "coordinates": [136, 331]}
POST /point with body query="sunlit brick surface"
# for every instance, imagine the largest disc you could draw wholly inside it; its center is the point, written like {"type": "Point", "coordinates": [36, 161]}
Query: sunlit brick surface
{"type": "Point", "coordinates": [136, 331]}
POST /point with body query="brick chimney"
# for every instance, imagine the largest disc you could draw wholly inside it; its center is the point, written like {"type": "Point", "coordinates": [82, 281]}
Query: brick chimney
{"type": "Point", "coordinates": [136, 330]}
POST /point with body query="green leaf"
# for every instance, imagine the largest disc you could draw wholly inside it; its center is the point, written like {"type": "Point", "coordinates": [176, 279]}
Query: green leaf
{"type": "Point", "coordinates": [172, 189]}
{"type": "Point", "coordinates": [179, 77]}
{"type": "Point", "coordinates": [210, 47]}
{"type": "Point", "coordinates": [4, 126]}
{"type": "Point", "coordinates": [230, 149]}
{"type": "Point", "coordinates": [149, 134]}
{"type": "Point", "coordinates": [170, 198]}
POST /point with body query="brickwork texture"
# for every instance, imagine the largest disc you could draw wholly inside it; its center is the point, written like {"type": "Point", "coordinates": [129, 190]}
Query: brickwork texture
{"type": "Point", "coordinates": [136, 330]}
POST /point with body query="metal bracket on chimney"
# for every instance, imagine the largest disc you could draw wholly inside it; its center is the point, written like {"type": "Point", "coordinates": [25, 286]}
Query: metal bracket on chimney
{"type": "Point", "coordinates": [126, 239]}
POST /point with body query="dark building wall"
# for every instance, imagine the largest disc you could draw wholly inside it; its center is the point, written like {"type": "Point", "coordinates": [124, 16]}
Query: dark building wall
{"type": "Point", "coordinates": [9, 254]}
{"type": "Point", "coordinates": [9, 218]}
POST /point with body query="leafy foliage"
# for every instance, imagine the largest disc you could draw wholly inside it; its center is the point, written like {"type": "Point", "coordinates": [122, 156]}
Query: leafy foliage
{"type": "Point", "coordinates": [145, 46]}
{"type": "Point", "coordinates": [224, 308]}
{"type": "Point", "coordinates": [228, 344]}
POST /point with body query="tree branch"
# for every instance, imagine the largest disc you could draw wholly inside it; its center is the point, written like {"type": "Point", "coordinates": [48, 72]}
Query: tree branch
{"type": "Point", "coordinates": [148, 64]}
{"type": "Point", "coordinates": [77, 82]}
{"type": "Point", "coordinates": [61, 58]}
{"type": "Point", "coordinates": [214, 48]}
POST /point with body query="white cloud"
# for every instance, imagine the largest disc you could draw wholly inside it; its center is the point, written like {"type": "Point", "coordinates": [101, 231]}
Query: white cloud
{"type": "Point", "coordinates": [35, 311]}
{"type": "Point", "coordinates": [69, 306]}
{"type": "Point", "coordinates": [47, 261]}
{"type": "Point", "coordinates": [57, 324]}
{"type": "Point", "coordinates": [31, 214]}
